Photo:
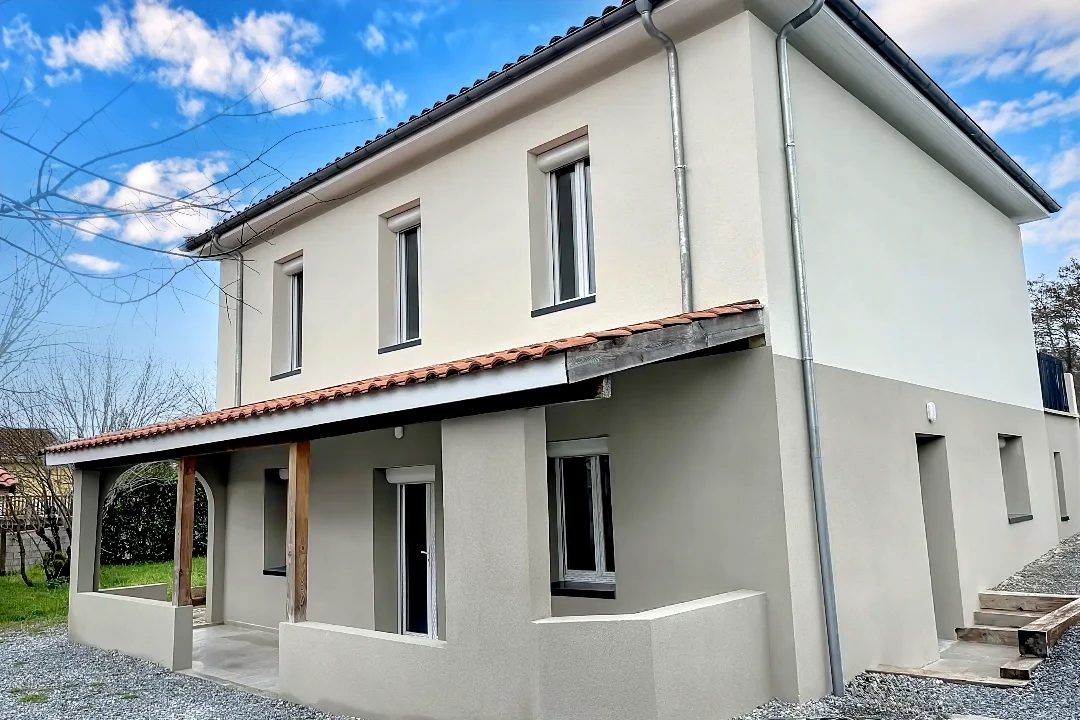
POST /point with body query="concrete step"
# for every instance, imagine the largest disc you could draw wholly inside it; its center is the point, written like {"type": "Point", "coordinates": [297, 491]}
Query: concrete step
{"type": "Point", "coordinates": [989, 634]}
{"type": "Point", "coordinates": [1005, 618]}
{"type": "Point", "coordinates": [1021, 668]}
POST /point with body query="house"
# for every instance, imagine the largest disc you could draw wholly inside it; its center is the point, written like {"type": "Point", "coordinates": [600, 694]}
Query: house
{"type": "Point", "coordinates": [515, 419]}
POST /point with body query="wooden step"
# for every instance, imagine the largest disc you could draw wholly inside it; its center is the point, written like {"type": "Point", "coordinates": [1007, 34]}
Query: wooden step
{"type": "Point", "coordinates": [958, 677]}
{"type": "Point", "coordinates": [1021, 668]}
{"type": "Point", "coordinates": [989, 634]}
{"type": "Point", "coordinates": [1026, 602]}
{"type": "Point", "coordinates": [1006, 618]}
{"type": "Point", "coordinates": [1036, 638]}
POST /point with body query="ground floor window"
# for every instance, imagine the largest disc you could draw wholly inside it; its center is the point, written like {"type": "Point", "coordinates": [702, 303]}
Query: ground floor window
{"type": "Point", "coordinates": [581, 472]}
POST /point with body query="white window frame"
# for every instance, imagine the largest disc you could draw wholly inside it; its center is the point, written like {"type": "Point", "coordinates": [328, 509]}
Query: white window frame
{"type": "Point", "coordinates": [294, 271]}
{"type": "Point", "coordinates": [401, 289]}
{"type": "Point", "coordinates": [418, 475]}
{"type": "Point", "coordinates": [583, 234]}
{"type": "Point", "coordinates": [593, 449]}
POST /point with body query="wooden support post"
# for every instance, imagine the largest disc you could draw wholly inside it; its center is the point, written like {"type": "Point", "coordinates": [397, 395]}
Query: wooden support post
{"type": "Point", "coordinates": [185, 531]}
{"type": "Point", "coordinates": [296, 533]}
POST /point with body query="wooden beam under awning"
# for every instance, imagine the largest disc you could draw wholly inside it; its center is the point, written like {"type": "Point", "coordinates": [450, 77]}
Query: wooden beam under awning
{"type": "Point", "coordinates": [184, 539]}
{"type": "Point", "coordinates": [296, 533]}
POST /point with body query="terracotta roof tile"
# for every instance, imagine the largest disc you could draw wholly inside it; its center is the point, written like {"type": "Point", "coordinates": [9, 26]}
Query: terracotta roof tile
{"type": "Point", "coordinates": [7, 480]}
{"type": "Point", "coordinates": [377, 384]}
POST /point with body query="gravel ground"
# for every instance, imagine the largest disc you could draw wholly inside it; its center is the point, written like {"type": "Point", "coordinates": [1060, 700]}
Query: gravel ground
{"type": "Point", "coordinates": [1054, 694]}
{"type": "Point", "coordinates": [1057, 572]}
{"type": "Point", "coordinates": [42, 675]}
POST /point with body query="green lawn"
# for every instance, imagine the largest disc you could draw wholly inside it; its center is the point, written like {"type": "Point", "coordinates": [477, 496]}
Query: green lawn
{"type": "Point", "coordinates": [40, 604]}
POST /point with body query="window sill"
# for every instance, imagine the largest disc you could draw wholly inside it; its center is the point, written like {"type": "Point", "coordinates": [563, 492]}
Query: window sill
{"type": "Point", "coordinates": [1014, 519]}
{"type": "Point", "coordinates": [286, 374]}
{"type": "Point", "coordinates": [564, 305]}
{"type": "Point", "coordinates": [562, 588]}
{"type": "Point", "coordinates": [275, 571]}
{"type": "Point", "coordinates": [399, 346]}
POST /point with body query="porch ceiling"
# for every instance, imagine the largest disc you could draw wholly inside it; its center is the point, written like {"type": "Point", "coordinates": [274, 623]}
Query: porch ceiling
{"type": "Point", "coordinates": [560, 369]}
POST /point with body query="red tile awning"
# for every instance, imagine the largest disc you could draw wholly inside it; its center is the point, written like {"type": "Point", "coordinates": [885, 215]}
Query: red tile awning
{"type": "Point", "coordinates": [382, 383]}
{"type": "Point", "coordinates": [7, 480]}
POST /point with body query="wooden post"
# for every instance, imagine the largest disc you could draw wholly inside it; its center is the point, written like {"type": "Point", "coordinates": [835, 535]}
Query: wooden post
{"type": "Point", "coordinates": [296, 533]}
{"type": "Point", "coordinates": [185, 531]}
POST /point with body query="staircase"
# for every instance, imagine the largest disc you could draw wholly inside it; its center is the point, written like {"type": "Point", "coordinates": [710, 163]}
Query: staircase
{"type": "Point", "coordinates": [1029, 622]}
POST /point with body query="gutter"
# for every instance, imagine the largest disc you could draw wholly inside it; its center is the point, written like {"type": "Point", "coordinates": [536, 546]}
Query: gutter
{"type": "Point", "coordinates": [645, 7]}
{"type": "Point", "coordinates": [845, 10]}
{"type": "Point", "coordinates": [810, 398]}
{"type": "Point", "coordinates": [496, 81]}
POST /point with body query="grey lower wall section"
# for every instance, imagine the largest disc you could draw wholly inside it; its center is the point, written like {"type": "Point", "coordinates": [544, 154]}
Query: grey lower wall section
{"type": "Point", "coordinates": [699, 660]}
{"type": "Point", "coordinates": [879, 530]}
{"type": "Point", "coordinates": [147, 629]}
{"type": "Point", "coordinates": [159, 592]}
{"type": "Point", "coordinates": [1063, 434]}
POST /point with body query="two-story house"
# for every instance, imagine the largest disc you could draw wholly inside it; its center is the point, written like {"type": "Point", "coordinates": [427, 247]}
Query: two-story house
{"type": "Point", "coordinates": [518, 411]}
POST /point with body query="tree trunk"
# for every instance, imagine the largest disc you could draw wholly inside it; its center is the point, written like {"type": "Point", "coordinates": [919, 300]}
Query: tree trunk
{"type": "Point", "coordinates": [3, 553]}
{"type": "Point", "coordinates": [22, 559]}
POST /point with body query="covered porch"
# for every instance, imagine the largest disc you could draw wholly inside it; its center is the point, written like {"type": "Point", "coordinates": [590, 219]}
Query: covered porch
{"type": "Point", "coordinates": [513, 547]}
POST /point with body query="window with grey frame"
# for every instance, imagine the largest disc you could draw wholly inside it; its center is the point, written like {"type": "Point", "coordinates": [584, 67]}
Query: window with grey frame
{"type": "Point", "coordinates": [569, 177]}
{"type": "Point", "coordinates": [294, 272]}
{"type": "Point", "coordinates": [408, 284]}
{"type": "Point", "coordinates": [585, 532]}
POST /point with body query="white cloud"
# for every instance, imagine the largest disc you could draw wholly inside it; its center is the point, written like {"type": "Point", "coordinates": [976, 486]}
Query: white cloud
{"type": "Point", "coordinates": [93, 263]}
{"type": "Point", "coordinates": [1018, 115]}
{"type": "Point", "coordinates": [146, 215]}
{"type": "Point", "coordinates": [373, 39]}
{"type": "Point", "coordinates": [1060, 229]}
{"type": "Point", "coordinates": [1064, 168]}
{"type": "Point", "coordinates": [1060, 63]}
{"type": "Point", "coordinates": [266, 55]}
{"type": "Point", "coordinates": [943, 28]}
{"type": "Point", "coordinates": [190, 107]}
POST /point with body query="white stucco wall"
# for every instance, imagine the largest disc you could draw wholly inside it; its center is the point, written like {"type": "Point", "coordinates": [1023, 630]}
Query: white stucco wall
{"type": "Point", "coordinates": [912, 276]}
{"type": "Point", "coordinates": [476, 278]}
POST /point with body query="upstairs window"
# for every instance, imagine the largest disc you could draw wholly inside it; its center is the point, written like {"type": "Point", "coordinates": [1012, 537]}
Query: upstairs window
{"type": "Point", "coordinates": [406, 229]}
{"type": "Point", "coordinates": [287, 351]}
{"type": "Point", "coordinates": [584, 528]}
{"type": "Point", "coordinates": [296, 319]}
{"type": "Point", "coordinates": [570, 219]}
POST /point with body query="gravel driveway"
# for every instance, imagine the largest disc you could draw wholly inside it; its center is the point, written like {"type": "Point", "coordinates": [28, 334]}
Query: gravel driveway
{"type": "Point", "coordinates": [42, 675]}
{"type": "Point", "coordinates": [1054, 694]}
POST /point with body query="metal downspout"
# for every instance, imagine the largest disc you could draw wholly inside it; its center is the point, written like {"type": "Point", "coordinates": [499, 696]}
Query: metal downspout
{"type": "Point", "coordinates": [644, 7]}
{"type": "Point", "coordinates": [238, 340]}
{"type": "Point", "coordinates": [821, 517]}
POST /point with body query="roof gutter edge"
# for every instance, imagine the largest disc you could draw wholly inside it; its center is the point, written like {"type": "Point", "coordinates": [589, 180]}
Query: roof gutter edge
{"type": "Point", "coordinates": [570, 43]}
{"type": "Point", "coordinates": [846, 10]}
{"type": "Point", "coordinates": [903, 63]}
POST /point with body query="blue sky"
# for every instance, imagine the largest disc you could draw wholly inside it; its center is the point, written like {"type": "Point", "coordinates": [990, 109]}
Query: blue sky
{"type": "Point", "coordinates": [164, 67]}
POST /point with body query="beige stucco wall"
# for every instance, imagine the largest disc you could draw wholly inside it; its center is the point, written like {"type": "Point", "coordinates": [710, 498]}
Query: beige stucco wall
{"type": "Point", "coordinates": [476, 276]}
{"type": "Point", "coordinates": [1063, 434]}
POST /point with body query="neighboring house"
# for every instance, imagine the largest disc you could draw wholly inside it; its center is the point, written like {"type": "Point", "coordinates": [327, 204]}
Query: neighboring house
{"type": "Point", "coordinates": [620, 522]}
{"type": "Point", "coordinates": [20, 453]}
{"type": "Point", "coordinates": [8, 482]}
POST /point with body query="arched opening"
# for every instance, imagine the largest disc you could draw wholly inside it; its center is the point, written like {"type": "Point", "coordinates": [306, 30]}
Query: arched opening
{"type": "Point", "coordinates": [138, 531]}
